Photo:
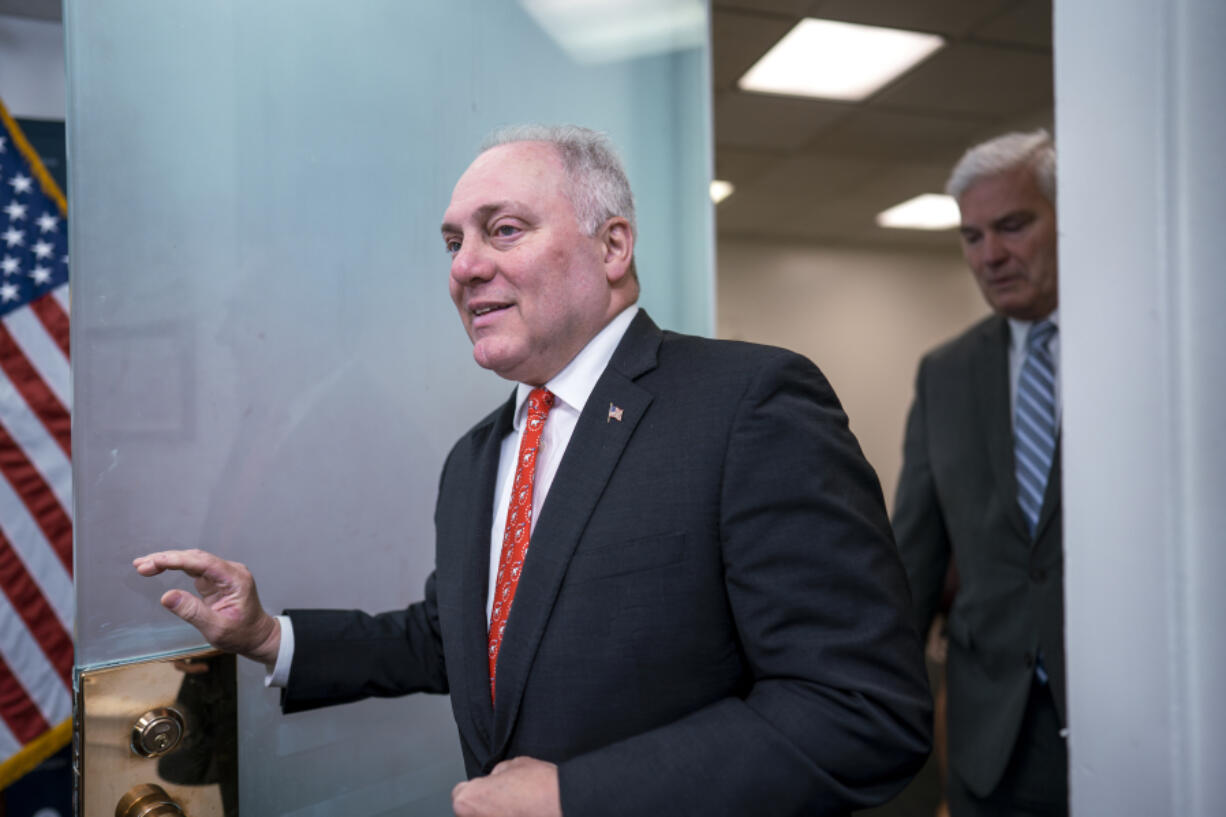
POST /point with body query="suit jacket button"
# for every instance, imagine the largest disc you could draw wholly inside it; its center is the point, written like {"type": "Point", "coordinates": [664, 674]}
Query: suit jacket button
{"type": "Point", "coordinates": [1029, 659]}
{"type": "Point", "coordinates": [1038, 574]}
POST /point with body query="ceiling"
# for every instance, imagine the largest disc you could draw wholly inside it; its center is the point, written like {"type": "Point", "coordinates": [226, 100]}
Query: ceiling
{"type": "Point", "coordinates": [818, 171]}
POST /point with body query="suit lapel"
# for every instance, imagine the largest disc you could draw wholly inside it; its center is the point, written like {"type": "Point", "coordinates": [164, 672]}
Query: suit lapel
{"type": "Point", "coordinates": [475, 578]}
{"type": "Point", "coordinates": [591, 456]}
{"type": "Point", "coordinates": [992, 386]}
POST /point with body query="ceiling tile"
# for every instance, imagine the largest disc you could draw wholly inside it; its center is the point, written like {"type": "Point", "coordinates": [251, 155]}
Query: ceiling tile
{"type": "Point", "coordinates": [771, 122]}
{"type": "Point", "coordinates": [896, 182]}
{"type": "Point", "coordinates": [742, 167]}
{"type": "Point", "coordinates": [950, 17]}
{"type": "Point", "coordinates": [750, 212]}
{"type": "Point", "coordinates": [974, 79]}
{"type": "Point", "coordinates": [814, 177]}
{"type": "Point", "coordinates": [811, 198]}
{"type": "Point", "coordinates": [738, 40]}
{"type": "Point", "coordinates": [1027, 23]}
{"type": "Point", "coordinates": [794, 8]}
{"type": "Point", "coordinates": [870, 133]}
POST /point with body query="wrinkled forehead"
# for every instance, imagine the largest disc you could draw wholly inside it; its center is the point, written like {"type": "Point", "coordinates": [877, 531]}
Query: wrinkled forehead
{"type": "Point", "coordinates": [531, 172]}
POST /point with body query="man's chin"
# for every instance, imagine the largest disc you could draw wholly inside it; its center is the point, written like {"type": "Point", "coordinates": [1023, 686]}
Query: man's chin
{"type": "Point", "coordinates": [495, 361]}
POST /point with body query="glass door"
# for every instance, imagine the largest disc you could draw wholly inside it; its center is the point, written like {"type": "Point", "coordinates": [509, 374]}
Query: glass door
{"type": "Point", "coordinates": [266, 362]}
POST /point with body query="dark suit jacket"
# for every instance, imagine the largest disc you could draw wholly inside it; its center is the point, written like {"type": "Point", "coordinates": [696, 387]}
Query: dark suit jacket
{"type": "Point", "coordinates": [958, 495]}
{"type": "Point", "coordinates": [712, 617]}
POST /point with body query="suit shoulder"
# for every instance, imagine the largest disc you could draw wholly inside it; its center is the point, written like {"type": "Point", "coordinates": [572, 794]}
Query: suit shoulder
{"type": "Point", "coordinates": [958, 350]}
{"type": "Point", "coordinates": [732, 356]}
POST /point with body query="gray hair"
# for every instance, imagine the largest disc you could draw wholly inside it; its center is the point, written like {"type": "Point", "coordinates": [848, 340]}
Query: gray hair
{"type": "Point", "coordinates": [1004, 153]}
{"type": "Point", "coordinates": [599, 189]}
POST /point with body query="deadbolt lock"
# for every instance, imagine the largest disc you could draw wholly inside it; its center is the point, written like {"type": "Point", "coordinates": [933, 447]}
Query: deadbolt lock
{"type": "Point", "coordinates": [157, 732]}
{"type": "Point", "coordinates": [147, 800]}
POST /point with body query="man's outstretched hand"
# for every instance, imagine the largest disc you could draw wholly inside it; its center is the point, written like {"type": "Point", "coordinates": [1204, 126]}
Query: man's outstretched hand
{"type": "Point", "coordinates": [228, 612]}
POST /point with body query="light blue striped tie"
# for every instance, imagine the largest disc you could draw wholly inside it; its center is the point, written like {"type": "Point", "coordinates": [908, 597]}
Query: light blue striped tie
{"type": "Point", "coordinates": [1034, 422]}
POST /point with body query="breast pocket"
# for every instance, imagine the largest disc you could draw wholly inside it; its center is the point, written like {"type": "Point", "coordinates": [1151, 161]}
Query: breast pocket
{"type": "Point", "coordinates": [623, 558]}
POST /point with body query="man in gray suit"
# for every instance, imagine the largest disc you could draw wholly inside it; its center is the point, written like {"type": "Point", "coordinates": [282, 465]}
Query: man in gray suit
{"type": "Point", "coordinates": [980, 487]}
{"type": "Point", "coordinates": [664, 580]}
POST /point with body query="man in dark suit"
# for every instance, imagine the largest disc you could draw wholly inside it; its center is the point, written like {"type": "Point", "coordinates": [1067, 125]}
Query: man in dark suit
{"type": "Point", "coordinates": [980, 486]}
{"type": "Point", "coordinates": [711, 617]}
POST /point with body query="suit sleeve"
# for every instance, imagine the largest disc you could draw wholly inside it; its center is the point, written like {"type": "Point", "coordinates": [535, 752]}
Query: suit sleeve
{"type": "Point", "coordinates": [838, 714]}
{"type": "Point", "coordinates": [919, 525]}
{"type": "Point", "coordinates": [346, 655]}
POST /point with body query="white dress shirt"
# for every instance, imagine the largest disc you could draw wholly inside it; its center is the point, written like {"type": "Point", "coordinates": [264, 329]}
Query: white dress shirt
{"type": "Point", "coordinates": [571, 388]}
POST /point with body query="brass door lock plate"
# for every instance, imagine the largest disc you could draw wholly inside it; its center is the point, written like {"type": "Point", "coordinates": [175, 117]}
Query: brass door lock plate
{"type": "Point", "coordinates": [158, 737]}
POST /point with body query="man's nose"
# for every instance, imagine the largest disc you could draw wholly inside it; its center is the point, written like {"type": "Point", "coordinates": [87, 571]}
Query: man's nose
{"type": "Point", "coordinates": [471, 263]}
{"type": "Point", "coordinates": [994, 250]}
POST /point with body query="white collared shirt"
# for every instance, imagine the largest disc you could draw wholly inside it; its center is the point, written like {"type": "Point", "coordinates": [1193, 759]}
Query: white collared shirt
{"type": "Point", "coordinates": [1017, 355]}
{"type": "Point", "coordinates": [571, 388]}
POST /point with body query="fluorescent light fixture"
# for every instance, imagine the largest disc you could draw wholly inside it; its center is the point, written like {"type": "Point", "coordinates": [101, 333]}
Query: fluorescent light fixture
{"type": "Point", "coordinates": [720, 190]}
{"type": "Point", "coordinates": [833, 60]}
{"type": "Point", "coordinates": [599, 31]}
{"type": "Point", "coordinates": [928, 211]}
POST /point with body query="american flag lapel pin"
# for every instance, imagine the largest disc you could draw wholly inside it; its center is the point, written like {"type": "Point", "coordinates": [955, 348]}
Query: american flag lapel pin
{"type": "Point", "coordinates": [615, 413]}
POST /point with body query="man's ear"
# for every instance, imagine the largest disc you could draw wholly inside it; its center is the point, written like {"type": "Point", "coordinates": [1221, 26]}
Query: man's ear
{"type": "Point", "coordinates": [617, 244]}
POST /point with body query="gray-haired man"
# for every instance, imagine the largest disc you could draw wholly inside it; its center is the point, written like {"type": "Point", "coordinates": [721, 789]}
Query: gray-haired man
{"type": "Point", "coordinates": [980, 487]}
{"type": "Point", "coordinates": [711, 616]}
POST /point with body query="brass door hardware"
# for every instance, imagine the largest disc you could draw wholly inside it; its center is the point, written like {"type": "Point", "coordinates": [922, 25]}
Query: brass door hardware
{"type": "Point", "coordinates": [157, 732]}
{"type": "Point", "coordinates": [147, 800]}
{"type": "Point", "coordinates": [159, 737]}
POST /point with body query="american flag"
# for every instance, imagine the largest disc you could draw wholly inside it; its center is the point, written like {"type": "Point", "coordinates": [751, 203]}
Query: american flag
{"type": "Point", "coordinates": [36, 488]}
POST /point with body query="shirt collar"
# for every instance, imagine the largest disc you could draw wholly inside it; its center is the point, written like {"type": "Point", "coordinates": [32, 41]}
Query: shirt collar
{"type": "Point", "coordinates": [574, 384]}
{"type": "Point", "coordinates": [1019, 329]}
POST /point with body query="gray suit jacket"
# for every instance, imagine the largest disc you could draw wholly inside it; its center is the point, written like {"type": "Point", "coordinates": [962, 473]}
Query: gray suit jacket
{"type": "Point", "coordinates": [712, 617]}
{"type": "Point", "coordinates": [958, 496]}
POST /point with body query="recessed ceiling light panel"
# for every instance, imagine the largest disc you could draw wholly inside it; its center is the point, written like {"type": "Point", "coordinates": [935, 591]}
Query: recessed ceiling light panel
{"type": "Point", "coordinates": [834, 60]}
{"type": "Point", "coordinates": [928, 211]}
{"type": "Point", "coordinates": [720, 190]}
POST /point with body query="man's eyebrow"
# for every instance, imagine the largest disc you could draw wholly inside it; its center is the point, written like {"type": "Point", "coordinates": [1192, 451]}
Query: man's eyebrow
{"type": "Point", "coordinates": [1013, 215]}
{"type": "Point", "coordinates": [484, 212]}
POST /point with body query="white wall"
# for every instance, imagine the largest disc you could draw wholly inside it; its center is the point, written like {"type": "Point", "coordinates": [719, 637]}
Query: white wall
{"type": "Point", "coordinates": [32, 67]}
{"type": "Point", "coordinates": [1141, 110]}
{"type": "Point", "coordinates": [865, 317]}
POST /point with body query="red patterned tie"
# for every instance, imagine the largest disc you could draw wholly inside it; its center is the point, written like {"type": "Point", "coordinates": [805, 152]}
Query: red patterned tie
{"type": "Point", "coordinates": [519, 522]}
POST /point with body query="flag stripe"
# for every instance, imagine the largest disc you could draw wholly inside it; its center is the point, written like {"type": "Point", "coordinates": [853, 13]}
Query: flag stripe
{"type": "Point", "coordinates": [36, 393]}
{"type": "Point", "coordinates": [27, 541]}
{"type": "Point", "coordinates": [28, 601]}
{"type": "Point", "coordinates": [38, 678]}
{"type": "Point", "coordinates": [36, 495]}
{"type": "Point", "coordinates": [17, 710]}
{"type": "Point", "coordinates": [34, 439]}
{"type": "Point", "coordinates": [62, 297]}
{"type": "Point", "coordinates": [8, 741]}
{"type": "Point", "coordinates": [55, 319]}
{"type": "Point", "coordinates": [43, 350]}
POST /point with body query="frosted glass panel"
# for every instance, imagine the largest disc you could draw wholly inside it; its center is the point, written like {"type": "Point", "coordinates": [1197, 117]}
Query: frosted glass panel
{"type": "Point", "coordinates": [266, 360]}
